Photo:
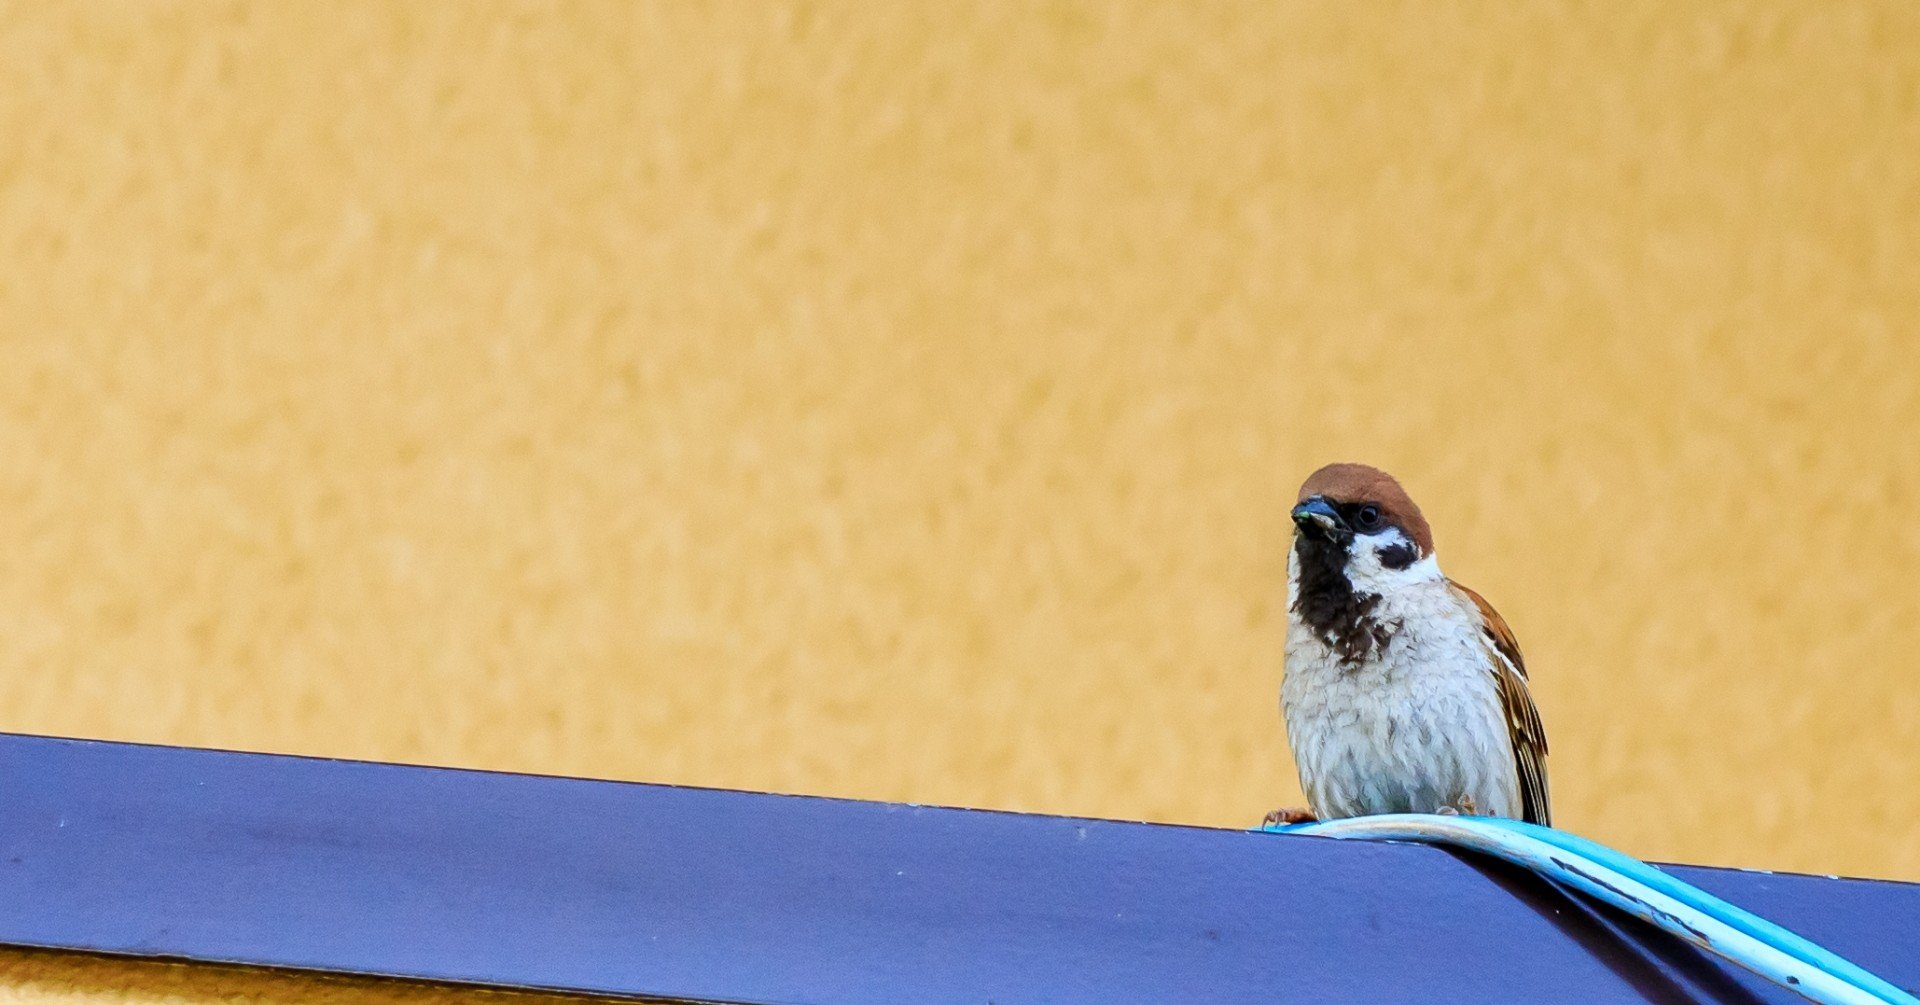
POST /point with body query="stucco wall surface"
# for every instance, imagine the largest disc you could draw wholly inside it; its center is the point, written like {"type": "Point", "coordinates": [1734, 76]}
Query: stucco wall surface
{"type": "Point", "coordinates": [42, 978]}
{"type": "Point", "coordinates": [902, 401]}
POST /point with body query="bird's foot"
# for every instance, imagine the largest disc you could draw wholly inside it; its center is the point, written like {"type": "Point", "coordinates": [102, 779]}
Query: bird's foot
{"type": "Point", "coordinates": [1288, 816]}
{"type": "Point", "coordinates": [1465, 807]}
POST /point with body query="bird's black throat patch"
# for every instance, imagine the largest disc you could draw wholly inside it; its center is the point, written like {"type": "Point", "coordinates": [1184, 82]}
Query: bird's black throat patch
{"type": "Point", "coordinates": [1339, 616]}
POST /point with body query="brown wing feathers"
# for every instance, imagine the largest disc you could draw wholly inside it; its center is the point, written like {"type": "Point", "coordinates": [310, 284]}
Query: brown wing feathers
{"type": "Point", "coordinates": [1529, 737]}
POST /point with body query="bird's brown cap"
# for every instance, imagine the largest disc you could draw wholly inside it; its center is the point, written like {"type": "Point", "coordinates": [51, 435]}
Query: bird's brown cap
{"type": "Point", "coordinates": [1359, 483]}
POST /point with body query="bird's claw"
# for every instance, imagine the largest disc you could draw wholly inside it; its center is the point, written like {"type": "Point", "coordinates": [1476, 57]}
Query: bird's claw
{"type": "Point", "coordinates": [1287, 816]}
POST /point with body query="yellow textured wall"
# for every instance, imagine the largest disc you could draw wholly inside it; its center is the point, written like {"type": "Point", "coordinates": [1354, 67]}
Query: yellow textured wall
{"type": "Point", "coordinates": [902, 401]}
{"type": "Point", "coordinates": [40, 978]}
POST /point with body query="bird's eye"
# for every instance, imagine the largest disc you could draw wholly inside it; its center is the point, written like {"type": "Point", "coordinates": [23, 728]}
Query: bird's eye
{"type": "Point", "coordinates": [1366, 518]}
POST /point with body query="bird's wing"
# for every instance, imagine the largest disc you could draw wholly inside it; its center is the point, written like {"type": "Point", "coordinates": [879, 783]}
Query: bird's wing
{"type": "Point", "coordinates": [1528, 736]}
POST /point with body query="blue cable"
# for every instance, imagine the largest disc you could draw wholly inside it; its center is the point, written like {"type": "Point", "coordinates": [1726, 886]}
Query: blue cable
{"type": "Point", "coordinates": [1627, 883]}
{"type": "Point", "coordinates": [1694, 897]}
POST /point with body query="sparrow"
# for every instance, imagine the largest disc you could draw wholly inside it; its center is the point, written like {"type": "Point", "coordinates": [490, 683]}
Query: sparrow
{"type": "Point", "coordinates": [1404, 692]}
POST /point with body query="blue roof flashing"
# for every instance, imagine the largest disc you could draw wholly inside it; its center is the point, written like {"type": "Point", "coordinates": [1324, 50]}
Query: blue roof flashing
{"type": "Point", "coordinates": [664, 892]}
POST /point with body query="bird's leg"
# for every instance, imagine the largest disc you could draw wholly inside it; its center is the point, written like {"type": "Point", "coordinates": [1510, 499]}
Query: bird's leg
{"type": "Point", "coordinates": [1289, 815]}
{"type": "Point", "coordinates": [1464, 807]}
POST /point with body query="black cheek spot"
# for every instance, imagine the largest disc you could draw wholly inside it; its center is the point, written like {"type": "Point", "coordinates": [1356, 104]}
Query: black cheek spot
{"type": "Point", "coordinates": [1398, 556]}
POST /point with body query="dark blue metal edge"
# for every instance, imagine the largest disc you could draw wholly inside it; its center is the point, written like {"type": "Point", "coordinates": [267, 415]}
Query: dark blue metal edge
{"type": "Point", "coordinates": [709, 895]}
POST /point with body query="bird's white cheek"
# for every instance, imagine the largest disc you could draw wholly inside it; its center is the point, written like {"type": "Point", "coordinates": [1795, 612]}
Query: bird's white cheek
{"type": "Point", "coordinates": [1369, 573]}
{"type": "Point", "coordinates": [1293, 576]}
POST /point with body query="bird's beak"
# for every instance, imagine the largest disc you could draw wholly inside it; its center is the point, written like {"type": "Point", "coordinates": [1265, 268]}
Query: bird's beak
{"type": "Point", "coordinates": [1318, 515]}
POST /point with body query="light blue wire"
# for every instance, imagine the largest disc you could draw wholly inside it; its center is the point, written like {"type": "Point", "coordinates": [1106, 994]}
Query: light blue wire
{"type": "Point", "coordinates": [1643, 891]}
{"type": "Point", "coordinates": [1700, 900]}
